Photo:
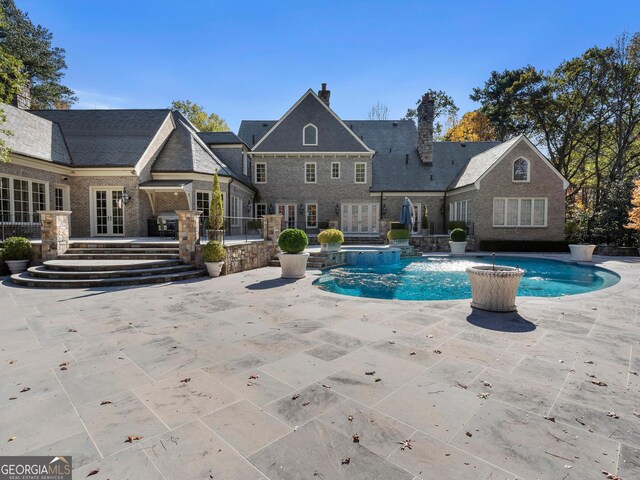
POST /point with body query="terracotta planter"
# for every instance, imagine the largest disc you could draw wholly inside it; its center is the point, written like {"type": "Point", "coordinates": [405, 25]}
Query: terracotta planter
{"type": "Point", "coordinates": [214, 268]}
{"type": "Point", "coordinates": [494, 290]}
{"type": "Point", "coordinates": [330, 247]}
{"type": "Point", "coordinates": [17, 266]}
{"type": "Point", "coordinates": [293, 265]}
{"type": "Point", "coordinates": [457, 248]}
{"type": "Point", "coordinates": [581, 253]}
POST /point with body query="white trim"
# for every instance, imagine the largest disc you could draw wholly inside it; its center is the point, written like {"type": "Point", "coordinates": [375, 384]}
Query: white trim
{"type": "Point", "coordinates": [39, 164]}
{"type": "Point", "coordinates": [519, 199]}
{"type": "Point", "coordinates": [295, 105]}
{"type": "Point", "coordinates": [365, 155]}
{"type": "Point", "coordinates": [138, 167]}
{"type": "Point", "coordinates": [465, 189]}
{"type": "Point", "coordinates": [66, 196]}
{"type": "Point", "coordinates": [255, 173]}
{"type": "Point", "coordinates": [355, 173]}
{"type": "Point", "coordinates": [207, 177]}
{"type": "Point", "coordinates": [104, 172]}
{"type": "Point", "coordinates": [306, 215]}
{"type": "Point", "coordinates": [304, 135]}
{"type": "Point", "coordinates": [513, 164]}
{"type": "Point", "coordinates": [315, 172]}
{"type": "Point", "coordinates": [406, 194]}
{"type": "Point", "coordinates": [339, 170]}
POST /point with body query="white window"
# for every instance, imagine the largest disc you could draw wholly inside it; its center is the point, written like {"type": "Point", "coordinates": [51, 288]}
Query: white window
{"type": "Point", "coordinates": [61, 198]}
{"type": "Point", "coordinates": [20, 199]}
{"type": "Point", "coordinates": [521, 170]}
{"type": "Point", "coordinates": [335, 169]}
{"type": "Point", "coordinates": [261, 210]}
{"type": "Point", "coordinates": [459, 211]}
{"type": "Point", "coordinates": [310, 172]}
{"type": "Point", "coordinates": [519, 212]}
{"type": "Point", "coordinates": [310, 135]}
{"type": "Point", "coordinates": [236, 210]}
{"type": "Point", "coordinates": [261, 173]}
{"type": "Point", "coordinates": [203, 202]}
{"type": "Point", "coordinates": [312, 215]}
{"type": "Point", "coordinates": [361, 172]}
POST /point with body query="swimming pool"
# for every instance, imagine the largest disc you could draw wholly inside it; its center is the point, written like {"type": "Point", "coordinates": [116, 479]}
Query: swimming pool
{"type": "Point", "coordinates": [444, 278]}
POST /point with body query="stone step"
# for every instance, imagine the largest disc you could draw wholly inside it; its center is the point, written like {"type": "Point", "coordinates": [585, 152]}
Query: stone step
{"type": "Point", "coordinates": [107, 244]}
{"type": "Point", "coordinates": [74, 250]}
{"type": "Point", "coordinates": [118, 256]}
{"type": "Point", "coordinates": [107, 265]}
{"type": "Point", "coordinates": [44, 272]}
{"type": "Point", "coordinates": [25, 279]}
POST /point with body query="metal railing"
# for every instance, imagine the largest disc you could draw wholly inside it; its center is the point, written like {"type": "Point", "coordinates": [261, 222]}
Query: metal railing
{"type": "Point", "coordinates": [443, 229]}
{"type": "Point", "coordinates": [20, 225]}
{"type": "Point", "coordinates": [235, 229]}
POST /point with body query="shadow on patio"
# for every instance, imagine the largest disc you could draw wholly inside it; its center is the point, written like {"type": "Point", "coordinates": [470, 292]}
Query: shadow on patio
{"type": "Point", "coordinates": [511, 322]}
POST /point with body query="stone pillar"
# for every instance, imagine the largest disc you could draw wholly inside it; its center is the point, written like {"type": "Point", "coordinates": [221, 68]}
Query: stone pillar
{"type": "Point", "coordinates": [272, 226]}
{"type": "Point", "coordinates": [54, 232]}
{"type": "Point", "coordinates": [188, 234]}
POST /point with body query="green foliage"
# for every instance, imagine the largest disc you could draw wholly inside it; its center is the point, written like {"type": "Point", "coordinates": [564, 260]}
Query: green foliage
{"type": "Point", "coordinates": [323, 225]}
{"type": "Point", "coordinates": [16, 248]}
{"type": "Point", "coordinates": [395, 234]}
{"type": "Point", "coordinates": [196, 115]}
{"type": "Point", "coordinates": [293, 240]}
{"type": "Point", "coordinates": [216, 210]}
{"type": "Point", "coordinates": [607, 225]}
{"type": "Point", "coordinates": [453, 224]}
{"type": "Point", "coordinates": [458, 235]}
{"type": "Point", "coordinates": [445, 109]}
{"type": "Point", "coordinates": [42, 64]}
{"type": "Point", "coordinates": [331, 235]}
{"type": "Point", "coordinates": [425, 220]}
{"type": "Point", "coordinates": [523, 246]}
{"type": "Point", "coordinates": [396, 226]}
{"type": "Point", "coordinates": [214, 251]}
{"type": "Point", "coordinates": [254, 224]}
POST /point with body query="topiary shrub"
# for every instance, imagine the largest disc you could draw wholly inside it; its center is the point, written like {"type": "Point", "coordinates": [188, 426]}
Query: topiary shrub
{"type": "Point", "coordinates": [458, 235]}
{"type": "Point", "coordinates": [293, 240]}
{"type": "Point", "coordinates": [214, 251]}
{"type": "Point", "coordinates": [331, 235]}
{"type": "Point", "coordinates": [398, 234]}
{"type": "Point", "coordinates": [16, 248]}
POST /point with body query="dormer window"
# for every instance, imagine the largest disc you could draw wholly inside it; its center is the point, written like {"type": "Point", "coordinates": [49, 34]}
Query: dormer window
{"type": "Point", "coordinates": [310, 135]}
{"type": "Point", "coordinates": [521, 170]}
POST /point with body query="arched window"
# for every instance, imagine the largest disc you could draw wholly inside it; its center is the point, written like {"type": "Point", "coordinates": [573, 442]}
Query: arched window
{"type": "Point", "coordinates": [521, 170]}
{"type": "Point", "coordinates": [310, 135]}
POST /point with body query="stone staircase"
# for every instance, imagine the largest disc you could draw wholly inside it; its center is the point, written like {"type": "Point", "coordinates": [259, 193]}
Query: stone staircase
{"type": "Point", "coordinates": [105, 264]}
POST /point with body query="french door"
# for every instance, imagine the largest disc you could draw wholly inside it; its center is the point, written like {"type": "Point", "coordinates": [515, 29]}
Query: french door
{"type": "Point", "coordinates": [360, 218]}
{"type": "Point", "coordinates": [107, 212]}
{"type": "Point", "coordinates": [288, 212]}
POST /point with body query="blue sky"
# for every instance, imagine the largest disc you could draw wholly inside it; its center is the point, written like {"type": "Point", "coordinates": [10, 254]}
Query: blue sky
{"type": "Point", "coordinates": [253, 59]}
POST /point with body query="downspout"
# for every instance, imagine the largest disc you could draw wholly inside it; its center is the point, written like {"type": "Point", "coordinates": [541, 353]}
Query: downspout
{"type": "Point", "coordinates": [444, 211]}
{"type": "Point", "coordinates": [229, 200]}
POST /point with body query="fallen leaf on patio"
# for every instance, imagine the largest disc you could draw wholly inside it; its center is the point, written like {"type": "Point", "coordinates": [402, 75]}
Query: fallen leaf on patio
{"type": "Point", "coordinates": [611, 476]}
{"type": "Point", "coordinates": [254, 377]}
{"type": "Point", "coordinates": [391, 342]}
{"type": "Point", "coordinates": [356, 438]}
{"type": "Point", "coordinates": [405, 444]}
{"type": "Point", "coordinates": [429, 336]}
{"type": "Point", "coordinates": [64, 368]}
{"type": "Point", "coordinates": [560, 361]}
{"type": "Point", "coordinates": [249, 384]}
{"type": "Point", "coordinates": [591, 375]}
{"type": "Point", "coordinates": [345, 461]}
{"type": "Point", "coordinates": [295, 396]}
{"type": "Point", "coordinates": [485, 383]}
{"type": "Point", "coordinates": [350, 418]}
{"type": "Point", "coordinates": [551, 419]}
{"type": "Point", "coordinates": [106, 402]}
{"type": "Point", "coordinates": [483, 395]}
{"type": "Point", "coordinates": [25, 389]}
{"type": "Point", "coordinates": [304, 404]}
{"type": "Point", "coordinates": [568, 466]}
{"type": "Point", "coordinates": [469, 434]}
{"type": "Point", "coordinates": [589, 362]}
{"type": "Point", "coordinates": [580, 421]}
{"type": "Point", "coordinates": [599, 383]}
{"type": "Point", "coordinates": [612, 415]}
{"type": "Point", "coordinates": [185, 380]}
{"type": "Point", "coordinates": [132, 438]}
{"type": "Point", "coordinates": [11, 362]}
{"type": "Point", "coordinates": [372, 372]}
{"type": "Point", "coordinates": [412, 353]}
{"type": "Point", "coordinates": [93, 472]}
{"type": "Point", "coordinates": [72, 330]}
{"type": "Point", "coordinates": [633, 373]}
{"type": "Point", "coordinates": [462, 385]}
{"type": "Point", "coordinates": [637, 414]}
{"type": "Point", "coordinates": [378, 380]}
{"type": "Point", "coordinates": [295, 429]}
{"type": "Point", "coordinates": [64, 364]}
{"type": "Point", "coordinates": [13, 398]}
{"type": "Point", "coordinates": [437, 351]}
{"type": "Point", "coordinates": [326, 386]}
{"type": "Point", "coordinates": [11, 439]}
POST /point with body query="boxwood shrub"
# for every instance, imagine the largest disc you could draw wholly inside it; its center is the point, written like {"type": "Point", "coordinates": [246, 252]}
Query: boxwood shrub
{"type": "Point", "coordinates": [16, 248]}
{"type": "Point", "coordinates": [213, 251]}
{"type": "Point", "coordinates": [398, 234]}
{"type": "Point", "coordinates": [331, 235]}
{"type": "Point", "coordinates": [458, 235]}
{"type": "Point", "coordinates": [293, 240]}
{"type": "Point", "coordinates": [523, 246]}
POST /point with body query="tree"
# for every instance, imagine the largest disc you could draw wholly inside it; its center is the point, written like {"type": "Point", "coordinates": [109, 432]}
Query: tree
{"type": "Point", "coordinates": [634, 213]}
{"type": "Point", "coordinates": [196, 115]}
{"type": "Point", "coordinates": [445, 109]}
{"type": "Point", "coordinates": [216, 209]}
{"type": "Point", "coordinates": [42, 63]}
{"type": "Point", "coordinates": [473, 127]}
{"type": "Point", "coordinates": [379, 111]}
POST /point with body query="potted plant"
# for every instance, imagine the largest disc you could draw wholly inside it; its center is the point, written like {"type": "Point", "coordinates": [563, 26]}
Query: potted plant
{"type": "Point", "coordinates": [330, 240]}
{"type": "Point", "coordinates": [215, 224]}
{"type": "Point", "coordinates": [458, 242]}
{"type": "Point", "coordinates": [425, 223]}
{"type": "Point", "coordinates": [293, 259]}
{"type": "Point", "coordinates": [16, 253]}
{"type": "Point", "coordinates": [494, 287]}
{"type": "Point", "coordinates": [398, 237]}
{"type": "Point", "coordinates": [214, 254]}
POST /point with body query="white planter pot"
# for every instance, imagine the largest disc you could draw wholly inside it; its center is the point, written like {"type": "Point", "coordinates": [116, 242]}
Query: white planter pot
{"type": "Point", "coordinates": [330, 247]}
{"type": "Point", "coordinates": [581, 253]}
{"type": "Point", "coordinates": [214, 268]}
{"type": "Point", "coordinates": [294, 265]}
{"type": "Point", "coordinates": [494, 290]}
{"type": "Point", "coordinates": [457, 248]}
{"type": "Point", "coordinates": [17, 266]}
{"type": "Point", "coordinates": [399, 243]}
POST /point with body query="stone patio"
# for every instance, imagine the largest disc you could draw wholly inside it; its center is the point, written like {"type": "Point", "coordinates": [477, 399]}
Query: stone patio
{"type": "Point", "coordinates": [252, 377]}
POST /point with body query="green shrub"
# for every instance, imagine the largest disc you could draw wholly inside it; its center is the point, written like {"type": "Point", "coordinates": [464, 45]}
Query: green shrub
{"type": "Point", "coordinates": [425, 220]}
{"type": "Point", "coordinates": [523, 246]}
{"type": "Point", "coordinates": [293, 240]}
{"type": "Point", "coordinates": [458, 235]}
{"type": "Point", "coordinates": [214, 251]}
{"type": "Point", "coordinates": [323, 225]}
{"type": "Point", "coordinates": [16, 248]}
{"type": "Point", "coordinates": [331, 235]}
{"type": "Point", "coordinates": [398, 234]}
{"type": "Point", "coordinates": [254, 224]}
{"type": "Point", "coordinates": [452, 225]}
{"type": "Point", "coordinates": [397, 226]}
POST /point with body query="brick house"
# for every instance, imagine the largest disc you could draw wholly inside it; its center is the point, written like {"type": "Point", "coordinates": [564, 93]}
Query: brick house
{"type": "Point", "coordinates": [313, 167]}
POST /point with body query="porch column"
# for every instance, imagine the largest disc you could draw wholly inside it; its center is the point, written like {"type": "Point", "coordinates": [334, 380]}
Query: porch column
{"type": "Point", "coordinates": [272, 226]}
{"type": "Point", "coordinates": [188, 234]}
{"type": "Point", "coordinates": [54, 233]}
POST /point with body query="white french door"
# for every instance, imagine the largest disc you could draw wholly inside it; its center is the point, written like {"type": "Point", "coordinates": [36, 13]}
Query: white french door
{"type": "Point", "coordinates": [107, 212]}
{"type": "Point", "coordinates": [288, 212]}
{"type": "Point", "coordinates": [360, 218]}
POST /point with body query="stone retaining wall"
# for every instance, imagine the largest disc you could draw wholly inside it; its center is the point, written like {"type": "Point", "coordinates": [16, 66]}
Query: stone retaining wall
{"type": "Point", "coordinates": [244, 256]}
{"type": "Point", "coordinates": [439, 243]}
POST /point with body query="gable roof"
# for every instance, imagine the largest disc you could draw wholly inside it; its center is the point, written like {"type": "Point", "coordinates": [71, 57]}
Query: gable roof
{"type": "Point", "coordinates": [220, 138]}
{"type": "Point", "coordinates": [106, 138]}
{"type": "Point", "coordinates": [251, 131]}
{"type": "Point", "coordinates": [34, 137]}
{"type": "Point", "coordinates": [333, 135]}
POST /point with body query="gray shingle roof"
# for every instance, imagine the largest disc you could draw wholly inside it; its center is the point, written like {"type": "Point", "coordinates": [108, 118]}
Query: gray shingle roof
{"type": "Point", "coordinates": [251, 131]}
{"type": "Point", "coordinates": [33, 136]}
{"type": "Point", "coordinates": [219, 138]}
{"type": "Point", "coordinates": [106, 138]}
{"type": "Point", "coordinates": [480, 163]}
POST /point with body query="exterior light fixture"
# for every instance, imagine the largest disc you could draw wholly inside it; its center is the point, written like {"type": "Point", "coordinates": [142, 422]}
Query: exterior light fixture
{"type": "Point", "coordinates": [125, 196]}
{"type": "Point", "coordinates": [248, 206]}
{"type": "Point", "coordinates": [384, 209]}
{"type": "Point", "coordinates": [301, 208]}
{"type": "Point", "coordinates": [337, 209]}
{"type": "Point", "coordinates": [271, 210]}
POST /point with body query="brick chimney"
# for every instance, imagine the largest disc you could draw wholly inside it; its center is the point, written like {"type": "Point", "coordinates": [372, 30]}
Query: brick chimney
{"type": "Point", "coordinates": [426, 111]}
{"type": "Point", "coordinates": [324, 94]}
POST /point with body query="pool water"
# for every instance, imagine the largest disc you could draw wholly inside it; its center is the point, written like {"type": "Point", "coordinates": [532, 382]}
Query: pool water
{"type": "Point", "coordinates": [444, 278]}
